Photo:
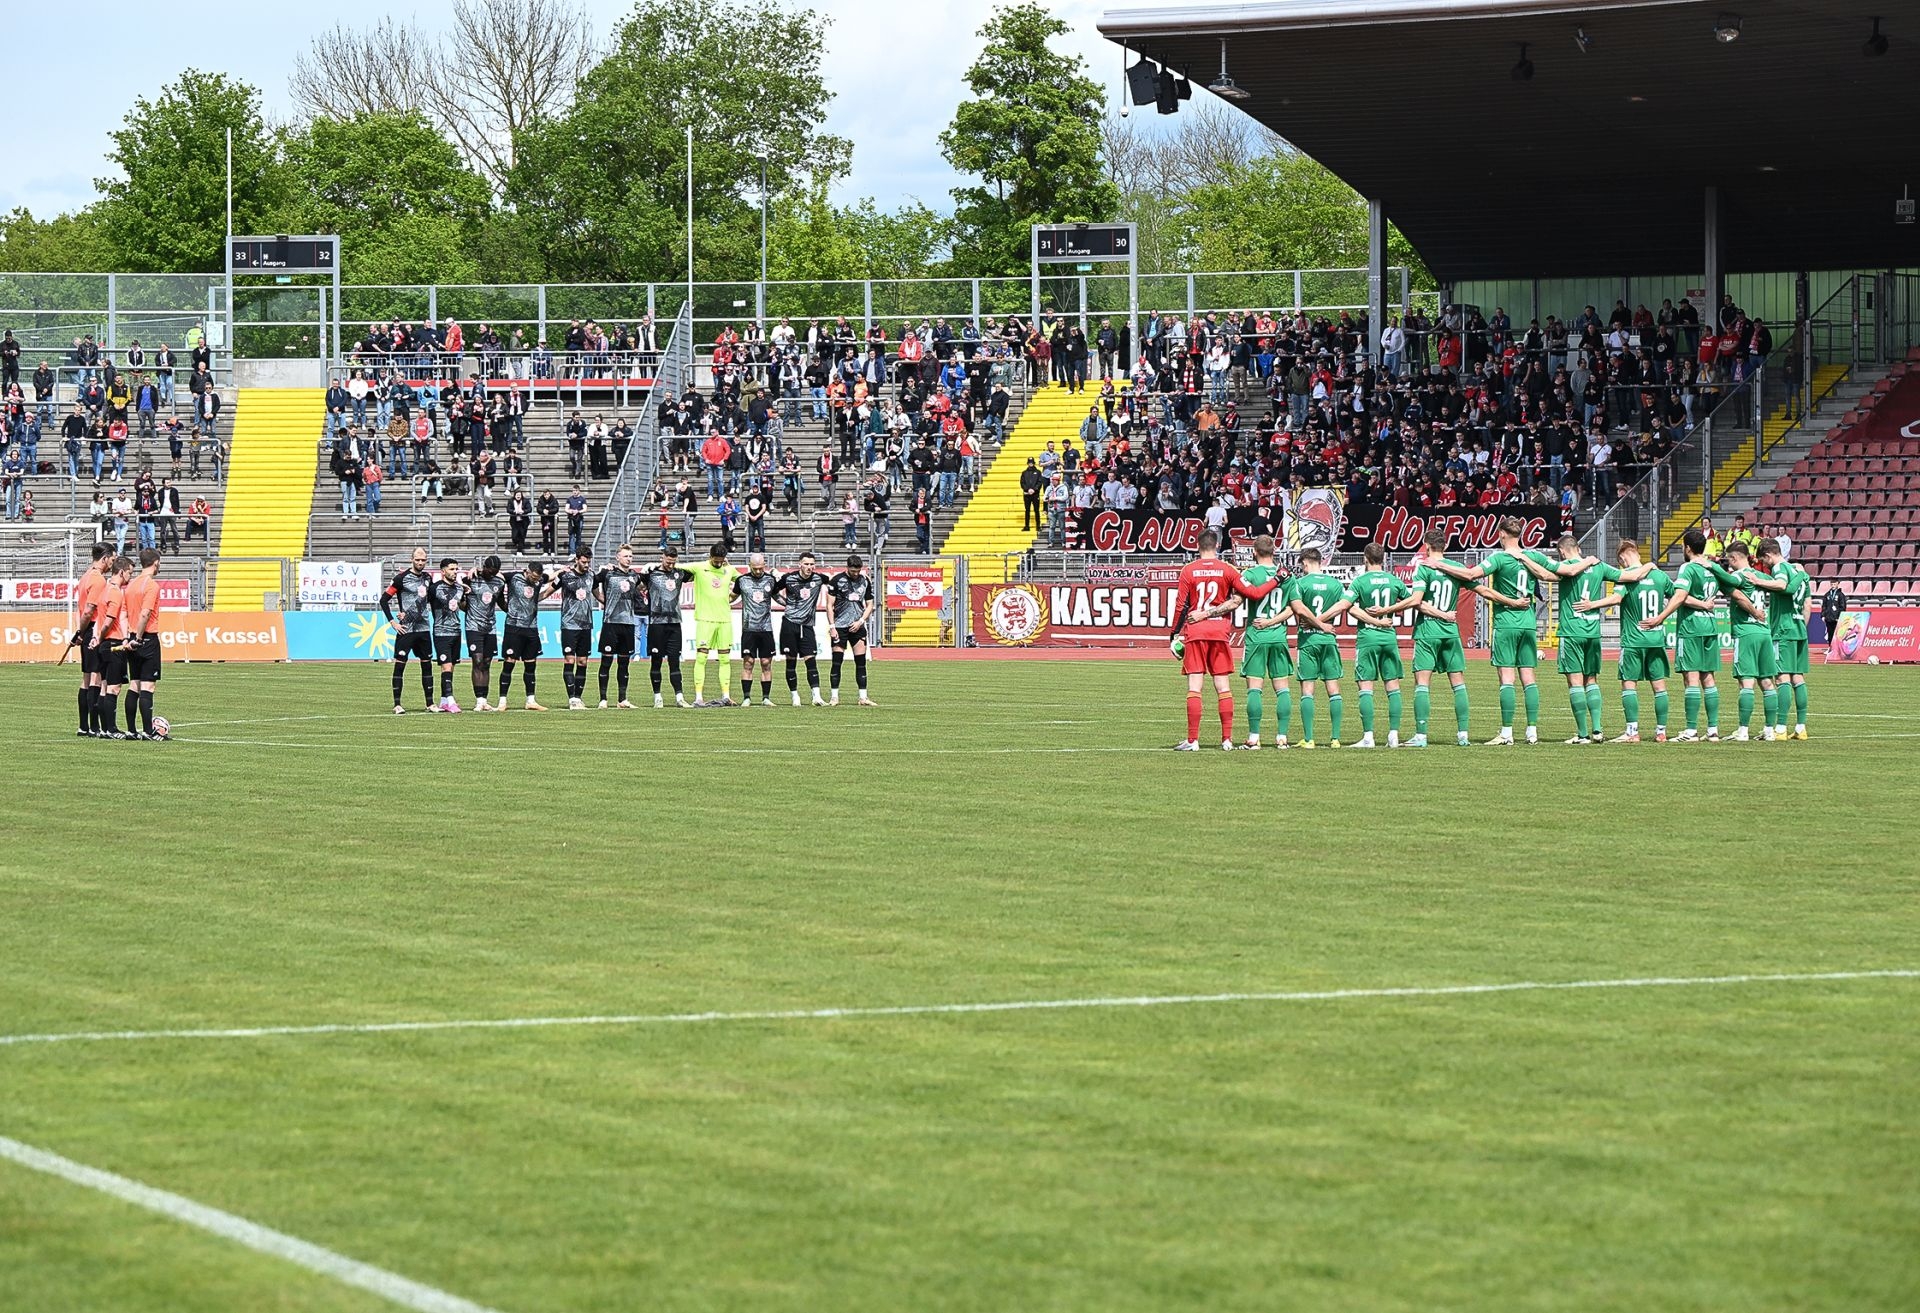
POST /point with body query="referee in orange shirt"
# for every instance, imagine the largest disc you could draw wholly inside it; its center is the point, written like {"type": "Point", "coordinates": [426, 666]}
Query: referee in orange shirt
{"type": "Point", "coordinates": [86, 602]}
{"type": "Point", "coordinates": [142, 610]}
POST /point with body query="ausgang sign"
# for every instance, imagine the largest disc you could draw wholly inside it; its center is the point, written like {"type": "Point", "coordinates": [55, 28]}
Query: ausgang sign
{"type": "Point", "coordinates": [1084, 241]}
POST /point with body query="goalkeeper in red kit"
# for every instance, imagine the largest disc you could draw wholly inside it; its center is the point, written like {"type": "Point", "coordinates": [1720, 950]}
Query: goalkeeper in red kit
{"type": "Point", "coordinates": [1210, 591]}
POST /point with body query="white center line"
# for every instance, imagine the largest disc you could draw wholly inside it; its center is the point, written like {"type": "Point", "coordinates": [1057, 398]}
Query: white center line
{"type": "Point", "coordinates": [390, 1286]}
{"type": "Point", "coordinates": [938, 1009]}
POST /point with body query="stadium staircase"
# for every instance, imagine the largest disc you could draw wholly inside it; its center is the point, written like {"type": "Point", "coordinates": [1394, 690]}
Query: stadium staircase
{"type": "Point", "coordinates": [1851, 505]}
{"type": "Point", "coordinates": [1781, 438]}
{"type": "Point", "coordinates": [269, 491]}
{"type": "Point", "coordinates": [453, 525]}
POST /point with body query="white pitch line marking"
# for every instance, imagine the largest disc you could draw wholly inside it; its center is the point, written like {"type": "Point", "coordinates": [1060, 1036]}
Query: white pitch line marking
{"type": "Point", "coordinates": [390, 1286]}
{"type": "Point", "coordinates": [943, 1009]}
{"type": "Point", "coordinates": [915, 750]}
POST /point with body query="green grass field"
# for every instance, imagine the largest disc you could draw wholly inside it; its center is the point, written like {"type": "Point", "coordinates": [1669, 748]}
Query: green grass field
{"type": "Point", "coordinates": [994, 832]}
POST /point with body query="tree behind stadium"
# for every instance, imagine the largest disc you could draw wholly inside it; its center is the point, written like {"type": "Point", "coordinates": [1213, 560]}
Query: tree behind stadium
{"type": "Point", "coordinates": [601, 189]}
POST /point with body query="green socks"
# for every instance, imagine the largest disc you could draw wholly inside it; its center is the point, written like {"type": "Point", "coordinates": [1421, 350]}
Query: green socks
{"type": "Point", "coordinates": [1460, 707]}
{"type": "Point", "coordinates": [1366, 713]}
{"type": "Point", "coordinates": [1630, 705]}
{"type": "Point", "coordinates": [1662, 706]}
{"type": "Point", "coordinates": [1306, 717]}
{"type": "Point", "coordinates": [1771, 698]}
{"type": "Point", "coordinates": [1799, 706]}
{"type": "Point", "coordinates": [1283, 709]}
{"type": "Point", "coordinates": [1594, 703]}
{"type": "Point", "coordinates": [1333, 716]}
{"type": "Point", "coordinates": [1577, 699]}
{"type": "Point", "coordinates": [1253, 712]}
{"type": "Point", "coordinates": [1506, 706]}
{"type": "Point", "coordinates": [1422, 708]}
{"type": "Point", "coordinates": [1693, 706]}
{"type": "Point", "coordinates": [1393, 711]}
{"type": "Point", "coordinates": [1746, 706]}
{"type": "Point", "coordinates": [1712, 696]}
{"type": "Point", "coordinates": [1533, 704]}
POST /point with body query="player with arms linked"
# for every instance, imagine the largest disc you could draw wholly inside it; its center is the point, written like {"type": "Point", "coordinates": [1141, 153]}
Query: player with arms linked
{"type": "Point", "coordinates": [852, 598]}
{"type": "Point", "coordinates": [1209, 592]}
{"type": "Point", "coordinates": [799, 592]}
{"type": "Point", "coordinates": [404, 605]}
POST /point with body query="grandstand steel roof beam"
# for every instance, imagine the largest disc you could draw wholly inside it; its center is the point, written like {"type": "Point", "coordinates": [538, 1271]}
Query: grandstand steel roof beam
{"type": "Point", "coordinates": [1716, 256]}
{"type": "Point", "coordinates": [1376, 278]}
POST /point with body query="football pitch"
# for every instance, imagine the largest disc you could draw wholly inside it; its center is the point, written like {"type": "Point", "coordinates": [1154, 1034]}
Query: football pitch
{"type": "Point", "coordinates": [739, 974]}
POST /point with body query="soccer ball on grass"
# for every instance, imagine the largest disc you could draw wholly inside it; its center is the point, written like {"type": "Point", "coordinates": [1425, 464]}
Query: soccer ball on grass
{"type": "Point", "coordinates": [160, 726]}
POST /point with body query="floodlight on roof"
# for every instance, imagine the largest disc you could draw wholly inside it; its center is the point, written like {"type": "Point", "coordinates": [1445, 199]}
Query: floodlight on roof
{"type": "Point", "coordinates": [1581, 41]}
{"type": "Point", "coordinates": [1523, 71]}
{"type": "Point", "coordinates": [1877, 43]}
{"type": "Point", "coordinates": [1726, 28]}
{"type": "Point", "coordinates": [1224, 86]}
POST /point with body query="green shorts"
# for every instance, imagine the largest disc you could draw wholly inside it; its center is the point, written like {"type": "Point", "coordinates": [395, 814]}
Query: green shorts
{"type": "Point", "coordinates": [1377, 661]}
{"type": "Point", "coordinates": [1516, 648]}
{"type": "Point", "coordinates": [1266, 661]}
{"type": "Point", "coordinates": [1648, 663]}
{"type": "Point", "coordinates": [1319, 660]}
{"type": "Point", "coordinates": [1439, 653]}
{"type": "Point", "coordinates": [1699, 655]}
{"type": "Point", "coordinates": [1753, 656]}
{"type": "Point", "coordinates": [1790, 655]}
{"type": "Point", "coordinates": [714, 635]}
{"type": "Point", "coordinates": [1580, 656]}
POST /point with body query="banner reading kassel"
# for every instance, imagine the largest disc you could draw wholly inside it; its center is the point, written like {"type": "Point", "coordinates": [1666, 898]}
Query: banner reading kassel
{"type": "Point", "coordinates": [1885, 633]}
{"type": "Point", "coordinates": [1401, 530]}
{"type": "Point", "coordinates": [184, 635]}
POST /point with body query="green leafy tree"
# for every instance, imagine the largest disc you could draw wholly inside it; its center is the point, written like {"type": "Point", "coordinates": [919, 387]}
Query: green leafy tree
{"type": "Point", "coordinates": [812, 239]}
{"type": "Point", "coordinates": [66, 243]}
{"type": "Point", "coordinates": [396, 191]}
{"type": "Point", "coordinates": [601, 190]}
{"type": "Point", "coordinates": [1031, 134]}
{"type": "Point", "coordinates": [166, 211]}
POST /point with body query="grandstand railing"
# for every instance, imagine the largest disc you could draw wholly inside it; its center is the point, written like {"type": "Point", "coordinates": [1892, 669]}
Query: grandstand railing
{"type": "Point", "coordinates": [642, 463]}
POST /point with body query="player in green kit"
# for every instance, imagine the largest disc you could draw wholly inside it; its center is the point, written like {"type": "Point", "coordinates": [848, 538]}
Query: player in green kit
{"type": "Point", "coordinates": [1753, 656]}
{"type": "Point", "coordinates": [1318, 598]}
{"type": "Point", "coordinates": [1436, 639]}
{"type": "Point", "coordinates": [1787, 612]}
{"type": "Point", "coordinates": [1376, 597]}
{"type": "Point", "coordinates": [1699, 639]}
{"type": "Point", "coordinates": [1266, 657]}
{"type": "Point", "coordinates": [712, 623]}
{"type": "Point", "coordinates": [1643, 652]}
{"type": "Point", "coordinates": [1509, 591]}
{"type": "Point", "coordinates": [1580, 579]}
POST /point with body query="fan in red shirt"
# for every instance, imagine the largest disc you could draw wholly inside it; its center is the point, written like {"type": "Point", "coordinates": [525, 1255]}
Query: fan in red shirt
{"type": "Point", "coordinates": [1210, 590]}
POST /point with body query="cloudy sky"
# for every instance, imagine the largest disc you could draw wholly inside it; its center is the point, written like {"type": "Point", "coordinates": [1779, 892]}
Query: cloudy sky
{"type": "Point", "coordinates": [895, 82]}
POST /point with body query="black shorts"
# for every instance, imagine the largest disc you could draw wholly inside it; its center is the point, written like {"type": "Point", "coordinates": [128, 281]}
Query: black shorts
{"type": "Point", "coordinates": [756, 645]}
{"type": "Point", "coordinates": [482, 644]}
{"type": "Point", "coordinates": [415, 645]}
{"type": "Point", "coordinates": [663, 638]}
{"type": "Point", "coordinates": [143, 663]}
{"type": "Point", "coordinates": [523, 644]}
{"type": "Point", "coordinates": [616, 640]}
{"type": "Point", "coordinates": [446, 647]}
{"type": "Point", "coordinates": [89, 654]}
{"type": "Point", "coordinates": [797, 640]}
{"type": "Point", "coordinates": [849, 637]}
{"type": "Point", "coordinates": [576, 642]}
{"type": "Point", "coordinates": [113, 666]}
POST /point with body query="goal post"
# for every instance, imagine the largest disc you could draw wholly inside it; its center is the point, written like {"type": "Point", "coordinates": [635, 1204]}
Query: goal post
{"type": "Point", "coordinates": [41, 564]}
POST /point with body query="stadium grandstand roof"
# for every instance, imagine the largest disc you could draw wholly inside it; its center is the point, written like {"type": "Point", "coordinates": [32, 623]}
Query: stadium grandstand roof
{"type": "Point", "coordinates": [1598, 161]}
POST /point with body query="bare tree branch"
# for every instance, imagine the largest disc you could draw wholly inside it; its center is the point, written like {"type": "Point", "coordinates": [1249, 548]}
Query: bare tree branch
{"type": "Point", "coordinates": [347, 73]}
{"type": "Point", "coordinates": [504, 65]}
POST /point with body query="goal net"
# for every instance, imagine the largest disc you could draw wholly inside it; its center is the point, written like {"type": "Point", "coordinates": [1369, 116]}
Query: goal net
{"type": "Point", "coordinates": [41, 565]}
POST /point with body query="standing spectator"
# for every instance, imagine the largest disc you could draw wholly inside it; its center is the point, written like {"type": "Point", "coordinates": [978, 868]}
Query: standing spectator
{"type": "Point", "coordinates": [9, 363]}
{"type": "Point", "coordinates": [1833, 603]}
{"type": "Point", "coordinates": [167, 516]}
{"type": "Point", "coordinates": [922, 523]}
{"type": "Point", "coordinates": [547, 506]}
{"type": "Point", "coordinates": [519, 518]}
{"type": "Point", "coordinates": [13, 468]}
{"type": "Point", "coordinates": [1031, 485]}
{"type": "Point", "coordinates": [372, 481]}
{"type": "Point", "coordinates": [346, 471]}
{"type": "Point", "coordinates": [576, 520]}
{"type": "Point", "coordinates": [1057, 511]}
{"type": "Point", "coordinates": [755, 508]}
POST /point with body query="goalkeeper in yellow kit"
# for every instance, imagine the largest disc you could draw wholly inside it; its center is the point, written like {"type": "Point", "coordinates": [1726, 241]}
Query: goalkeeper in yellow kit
{"type": "Point", "coordinates": [712, 624]}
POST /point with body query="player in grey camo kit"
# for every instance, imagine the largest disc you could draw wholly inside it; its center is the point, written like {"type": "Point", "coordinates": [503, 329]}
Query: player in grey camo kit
{"type": "Point", "coordinates": [575, 589]}
{"type": "Point", "coordinates": [485, 598]}
{"type": "Point", "coordinates": [755, 589]}
{"type": "Point", "coordinates": [412, 628]}
{"type": "Point", "coordinates": [525, 592]}
{"type": "Point", "coordinates": [445, 596]}
{"type": "Point", "coordinates": [851, 594]}
{"type": "Point", "coordinates": [618, 590]}
{"type": "Point", "coordinates": [664, 582]}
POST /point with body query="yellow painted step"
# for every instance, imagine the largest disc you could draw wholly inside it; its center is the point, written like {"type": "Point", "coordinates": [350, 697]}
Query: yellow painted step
{"type": "Point", "coordinates": [989, 531]}
{"type": "Point", "coordinates": [276, 435]}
